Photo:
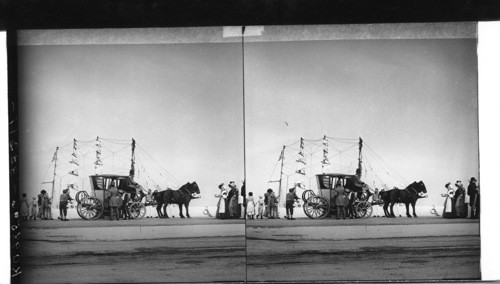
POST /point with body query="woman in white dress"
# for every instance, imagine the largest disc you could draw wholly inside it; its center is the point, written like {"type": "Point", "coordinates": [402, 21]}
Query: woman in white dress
{"type": "Point", "coordinates": [448, 203]}
{"type": "Point", "coordinates": [260, 207]}
{"type": "Point", "coordinates": [223, 204]}
{"type": "Point", "coordinates": [250, 206]}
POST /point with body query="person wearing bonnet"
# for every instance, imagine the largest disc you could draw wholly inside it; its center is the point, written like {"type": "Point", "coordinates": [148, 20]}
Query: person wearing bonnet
{"type": "Point", "coordinates": [460, 209]}
{"type": "Point", "coordinates": [223, 204]}
{"type": "Point", "coordinates": [448, 203]}
{"type": "Point", "coordinates": [473, 193]}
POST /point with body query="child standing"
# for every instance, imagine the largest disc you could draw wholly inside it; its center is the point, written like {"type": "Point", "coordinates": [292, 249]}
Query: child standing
{"type": "Point", "coordinates": [33, 209]}
{"type": "Point", "coordinates": [260, 207]}
{"type": "Point", "coordinates": [24, 207]}
{"type": "Point", "coordinates": [250, 206]}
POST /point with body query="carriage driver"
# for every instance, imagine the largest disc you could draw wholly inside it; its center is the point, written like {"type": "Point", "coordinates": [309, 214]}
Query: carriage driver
{"type": "Point", "coordinates": [364, 187]}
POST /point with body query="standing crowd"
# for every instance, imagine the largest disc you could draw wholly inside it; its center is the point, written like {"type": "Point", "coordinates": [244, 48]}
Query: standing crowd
{"type": "Point", "coordinates": [40, 207]}
{"type": "Point", "coordinates": [232, 201]}
{"type": "Point", "coordinates": [455, 202]}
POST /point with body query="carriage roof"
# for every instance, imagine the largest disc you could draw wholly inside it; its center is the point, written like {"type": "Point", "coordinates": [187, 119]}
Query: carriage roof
{"type": "Point", "coordinates": [102, 182]}
{"type": "Point", "coordinates": [339, 175]}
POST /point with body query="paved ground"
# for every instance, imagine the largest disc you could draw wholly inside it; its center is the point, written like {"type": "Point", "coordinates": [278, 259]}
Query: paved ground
{"type": "Point", "coordinates": [375, 249]}
{"type": "Point", "coordinates": [413, 259]}
{"type": "Point", "coordinates": [210, 250]}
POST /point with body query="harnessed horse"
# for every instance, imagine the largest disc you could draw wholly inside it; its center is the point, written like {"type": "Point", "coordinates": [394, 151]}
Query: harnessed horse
{"type": "Point", "coordinates": [182, 196]}
{"type": "Point", "coordinates": [408, 196]}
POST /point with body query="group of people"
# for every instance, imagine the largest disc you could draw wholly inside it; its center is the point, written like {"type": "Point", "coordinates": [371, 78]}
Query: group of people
{"type": "Point", "coordinates": [232, 201]}
{"type": "Point", "coordinates": [455, 205]}
{"type": "Point", "coordinates": [38, 208]}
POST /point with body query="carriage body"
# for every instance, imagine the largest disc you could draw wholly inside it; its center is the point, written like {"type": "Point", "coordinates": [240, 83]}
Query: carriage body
{"type": "Point", "coordinates": [322, 203]}
{"type": "Point", "coordinates": [96, 206]}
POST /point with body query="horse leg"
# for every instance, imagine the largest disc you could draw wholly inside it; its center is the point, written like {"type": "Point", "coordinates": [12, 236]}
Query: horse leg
{"type": "Point", "coordinates": [413, 205]}
{"type": "Point", "coordinates": [180, 211]}
{"type": "Point", "coordinates": [165, 214]}
{"type": "Point", "coordinates": [392, 210]}
{"type": "Point", "coordinates": [187, 210]}
{"type": "Point", "coordinates": [386, 211]}
{"type": "Point", "coordinates": [158, 210]}
{"type": "Point", "coordinates": [407, 205]}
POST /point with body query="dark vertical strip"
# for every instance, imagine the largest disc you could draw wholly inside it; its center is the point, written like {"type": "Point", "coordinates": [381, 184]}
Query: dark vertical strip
{"type": "Point", "coordinates": [13, 114]}
{"type": "Point", "coordinates": [244, 144]}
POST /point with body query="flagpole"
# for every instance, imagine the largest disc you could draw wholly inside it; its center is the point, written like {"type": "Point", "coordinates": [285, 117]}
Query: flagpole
{"type": "Point", "coordinates": [282, 157]}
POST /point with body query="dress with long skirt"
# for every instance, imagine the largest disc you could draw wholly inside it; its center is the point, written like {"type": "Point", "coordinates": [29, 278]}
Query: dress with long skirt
{"type": "Point", "coordinates": [24, 207]}
{"type": "Point", "coordinates": [448, 205]}
{"type": "Point", "coordinates": [222, 208]}
{"type": "Point", "coordinates": [250, 206]}
{"type": "Point", "coordinates": [234, 206]}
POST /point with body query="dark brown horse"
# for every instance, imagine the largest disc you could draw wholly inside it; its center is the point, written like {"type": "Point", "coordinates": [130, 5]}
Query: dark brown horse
{"type": "Point", "coordinates": [408, 196]}
{"type": "Point", "coordinates": [182, 196]}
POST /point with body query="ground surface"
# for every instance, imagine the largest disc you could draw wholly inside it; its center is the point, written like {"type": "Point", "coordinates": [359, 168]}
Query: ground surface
{"type": "Point", "coordinates": [210, 250]}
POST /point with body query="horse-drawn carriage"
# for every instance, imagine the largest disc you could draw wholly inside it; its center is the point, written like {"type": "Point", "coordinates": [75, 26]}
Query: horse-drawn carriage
{"type": "Point", "coordinates": [94, 206]}
{"type": "Point", "coordinates": [322, 204]}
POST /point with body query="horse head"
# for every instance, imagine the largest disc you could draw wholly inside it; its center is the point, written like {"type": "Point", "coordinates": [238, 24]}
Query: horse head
{"type": "Point", "coordinates": [423, 189]}
{"type": "Point", "coordinates": [419, 188]}
{"type": "Point", "coordinates": [195, 190]}
{"type": "Point", "coordinates": [191, 189]}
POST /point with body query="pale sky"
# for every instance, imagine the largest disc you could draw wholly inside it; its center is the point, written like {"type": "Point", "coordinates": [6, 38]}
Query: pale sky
{"type": "Point", "coordinates": [182, 103]}
{"type": "Point", "coordinates": [414, 102]}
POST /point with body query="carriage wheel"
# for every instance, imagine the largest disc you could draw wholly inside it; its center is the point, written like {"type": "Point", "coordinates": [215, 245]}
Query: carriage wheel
{"type": "Point", "coordinates": [137, 210]}
{"type": "Point", "coordinates": [90, 208]}
{"type": "Point", "coordinates": [307, 194]}
{"type": "Point", "coordinates": [81, 195]}
{"type": "Point", "coordinates": [317, 207]}
{"type": "Point", "coordinates": [364, 209]}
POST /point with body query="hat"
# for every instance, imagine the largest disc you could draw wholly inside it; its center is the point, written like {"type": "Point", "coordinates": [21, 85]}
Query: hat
{"type": "Point", "coordinates": [473, 179]}
{"type": "Point", "coordinates": [221, 185]}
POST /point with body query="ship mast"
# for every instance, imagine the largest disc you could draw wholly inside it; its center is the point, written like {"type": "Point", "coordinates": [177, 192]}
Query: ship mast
{"type": "Point", "coordinates": [282, 157]}
{"type": "Point", "coordinates": [360, 162]}
{"type": "Point", "coordinates": [53, 182]}
{"type": "Point", "coordinates": [132, 161]}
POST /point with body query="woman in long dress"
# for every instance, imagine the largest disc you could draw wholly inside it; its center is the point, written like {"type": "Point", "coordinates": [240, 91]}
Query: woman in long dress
{"type": "Point", "coordinates": [24, 207]}
{"type": "Point", "coordinates": [223, 204]}
{"type": "Point", "coordinates": [448, 204]}
{"type": "Point", "coordinates": [234, 211]}
{"type": "Point", "coordinates": [460, 203]}
{"type": "Point", "coordinates": [250, 206]}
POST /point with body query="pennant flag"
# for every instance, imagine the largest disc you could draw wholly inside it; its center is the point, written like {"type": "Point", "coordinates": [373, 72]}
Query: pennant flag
{"type": "Point", "coordinates": [301, 160]}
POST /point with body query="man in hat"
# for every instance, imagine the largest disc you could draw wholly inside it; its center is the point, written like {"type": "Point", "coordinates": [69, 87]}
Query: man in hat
{"type": "Point", "coordinates": [113, 201]}
{"type": "Point", "coordinates": [63, 205]}
{"type": "Point", "coordinates": [472, 192]}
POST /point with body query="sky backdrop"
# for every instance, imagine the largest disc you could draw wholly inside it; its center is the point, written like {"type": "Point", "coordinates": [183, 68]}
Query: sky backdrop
{"type": "Point", "coordinates": [414, 102]}
{"type": "Point", "coordinates": [181, 103]}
